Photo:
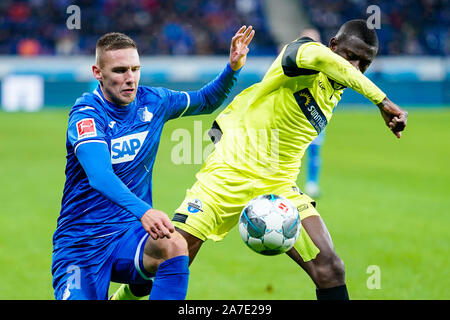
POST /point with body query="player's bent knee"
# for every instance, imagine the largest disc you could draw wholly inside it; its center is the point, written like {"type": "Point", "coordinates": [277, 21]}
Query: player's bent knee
{"type": "Point", "coordinates": [158, 251]}
{"type": "Point", "coordinates": [177, 246]}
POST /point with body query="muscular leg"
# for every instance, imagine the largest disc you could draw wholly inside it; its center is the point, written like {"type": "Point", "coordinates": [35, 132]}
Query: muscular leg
{"type": "Point", "coordinates": [327, 269]}
{"type": "Point", "coordinates": [193, 243]}
{"type": "Point", "coordinates": [158, 251]}
{"type": "Point", "coordinates": [168, 258]}
{"type": "Point", "coordinates": [154, 257]}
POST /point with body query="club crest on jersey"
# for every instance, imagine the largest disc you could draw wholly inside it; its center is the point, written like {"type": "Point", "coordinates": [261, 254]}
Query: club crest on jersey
{"type": "Point", "coordinates": [126, 148]}
{"type": "Point", "coordinates": [195, 206]}
{"type": "Point", "coordinates": [145, 115]}
{"type": "Point", "coordinates": [86, 128]}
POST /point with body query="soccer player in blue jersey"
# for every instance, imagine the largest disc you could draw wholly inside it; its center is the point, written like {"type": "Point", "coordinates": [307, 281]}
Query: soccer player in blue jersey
{"type": "Point", "coordinates": [108, 229]}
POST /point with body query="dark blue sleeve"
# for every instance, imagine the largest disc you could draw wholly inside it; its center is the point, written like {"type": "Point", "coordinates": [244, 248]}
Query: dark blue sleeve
{"type": "Point", "coordinates": [211, 96]}
{"type": "Point", "coordinates": [95, 159]}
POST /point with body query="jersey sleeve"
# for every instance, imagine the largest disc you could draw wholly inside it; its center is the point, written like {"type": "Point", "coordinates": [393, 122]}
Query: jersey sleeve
{"type": "Point", "coordinates": [203, 101]}
{"type": "Point", "coordinates": [85, 125]}
{"type": "Point", "coordinates": [171, 102]}
{"type": "Point", "coordinates": [315, 56]}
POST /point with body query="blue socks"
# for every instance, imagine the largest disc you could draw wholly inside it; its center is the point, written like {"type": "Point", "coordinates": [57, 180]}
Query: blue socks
{"type": "Point", "coordinates": [171, 279]}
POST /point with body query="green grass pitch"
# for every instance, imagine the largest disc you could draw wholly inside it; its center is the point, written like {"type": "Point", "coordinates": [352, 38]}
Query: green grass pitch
{"type": "Point", "coordinates": [385, 201]}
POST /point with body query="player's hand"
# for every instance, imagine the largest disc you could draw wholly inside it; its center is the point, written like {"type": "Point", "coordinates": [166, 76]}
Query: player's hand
{"type": "Point", "coordinates": [394, 116]}
{"type": "Point", "coordinates": [239, 47]}
{"type": "Point", "coordinates": [157, 224]}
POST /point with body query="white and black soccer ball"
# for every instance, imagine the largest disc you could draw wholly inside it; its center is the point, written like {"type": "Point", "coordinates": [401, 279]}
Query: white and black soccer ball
{"type": "Point", "coordinates": [269, 224]}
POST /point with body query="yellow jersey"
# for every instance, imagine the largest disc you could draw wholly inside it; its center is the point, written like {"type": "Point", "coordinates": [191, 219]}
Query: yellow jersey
{"type": "Point", "coordinates": [266, 129]}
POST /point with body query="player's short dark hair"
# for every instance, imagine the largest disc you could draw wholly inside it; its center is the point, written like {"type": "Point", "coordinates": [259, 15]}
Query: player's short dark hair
{"type": "Point", "coordinates": [113, 41]}
{"type": "Point", "coordinates": [359, 29]}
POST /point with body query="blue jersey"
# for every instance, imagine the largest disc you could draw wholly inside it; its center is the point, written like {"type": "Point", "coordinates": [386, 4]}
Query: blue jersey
{"type": "Point", "coordinates": [132, 135]}
{"type": "Point", "coordinates": [111, 151]}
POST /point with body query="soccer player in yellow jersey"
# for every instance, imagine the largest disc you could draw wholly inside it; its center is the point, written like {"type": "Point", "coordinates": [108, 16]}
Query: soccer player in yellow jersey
{"type": "Point", "coordinates": [260, 139]}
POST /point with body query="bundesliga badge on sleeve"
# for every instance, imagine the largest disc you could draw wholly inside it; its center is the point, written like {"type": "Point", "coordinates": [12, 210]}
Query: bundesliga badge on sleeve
{"type": "Point", "coordinates": [86, 128]}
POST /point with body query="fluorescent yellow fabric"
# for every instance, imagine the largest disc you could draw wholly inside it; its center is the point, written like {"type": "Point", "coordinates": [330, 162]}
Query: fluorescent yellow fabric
{"type": "Point", "coordinates": [213, 205]}
{"type": "Point", "coordinates": [265, 132]}
{"type": "Point", "coordinates": [316, 56]}
{"type": "Point", "coordinates": [264, 129]}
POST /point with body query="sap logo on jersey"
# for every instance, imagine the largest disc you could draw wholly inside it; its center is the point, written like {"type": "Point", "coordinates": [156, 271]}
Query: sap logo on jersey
{"type": "Point", "coordinates": [126, 148]}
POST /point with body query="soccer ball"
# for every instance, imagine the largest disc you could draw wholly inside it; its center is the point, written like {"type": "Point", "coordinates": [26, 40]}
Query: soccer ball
{"type": "Point", "coordinates": [269, 224]}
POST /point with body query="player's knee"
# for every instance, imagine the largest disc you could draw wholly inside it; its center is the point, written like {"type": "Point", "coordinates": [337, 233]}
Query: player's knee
{"type": "Point", "coordinates": [330, 272]}
{"type": "Point", "coordinates": [177, 246]}
{"type": "Point", "coordinates": [158, 251]}
{"type": "Point", "coordinates": [166, 248]}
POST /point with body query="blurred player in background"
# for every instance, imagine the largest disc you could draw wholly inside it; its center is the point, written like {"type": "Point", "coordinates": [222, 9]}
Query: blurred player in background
{"type": "Point", "coordinates": [108, 229]}
{"type": "Point", "coordinates": [314, 158]}
{"type": "Point", "coordinates": [290, 107]}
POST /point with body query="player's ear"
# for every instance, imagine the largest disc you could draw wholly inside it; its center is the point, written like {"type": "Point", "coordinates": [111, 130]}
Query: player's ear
{"type": "Point", "coordinates": [97, 72]}
{"type": "Point", "coordinates": [333, 44]}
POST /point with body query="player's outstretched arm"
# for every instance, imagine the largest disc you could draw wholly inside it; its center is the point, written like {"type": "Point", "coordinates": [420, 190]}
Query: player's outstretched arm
{"type": "Point", "coordinates": [239, 47]}
{"type": "Point", "coordinates": [394, 116]}
{"type": "Point", "coordinates": [213, 94]}
{"type": "Point", "coordinates": [318, 57]}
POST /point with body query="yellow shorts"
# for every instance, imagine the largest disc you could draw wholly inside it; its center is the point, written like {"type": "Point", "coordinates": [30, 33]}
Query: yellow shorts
{"type": "Point", "coordinates": [213, 205]}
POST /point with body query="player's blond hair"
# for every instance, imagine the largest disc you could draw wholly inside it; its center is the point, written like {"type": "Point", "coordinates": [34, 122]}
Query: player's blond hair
{"type": "Point", "coordinates": [112, 41]}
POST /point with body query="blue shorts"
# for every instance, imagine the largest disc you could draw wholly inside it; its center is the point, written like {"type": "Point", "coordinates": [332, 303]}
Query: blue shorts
{"type": "Point", "coordinates": [84, 272]}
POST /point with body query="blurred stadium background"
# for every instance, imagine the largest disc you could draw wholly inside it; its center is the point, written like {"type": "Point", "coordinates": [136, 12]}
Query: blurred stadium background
{"type": "Point", "coordinates": [385, 202]}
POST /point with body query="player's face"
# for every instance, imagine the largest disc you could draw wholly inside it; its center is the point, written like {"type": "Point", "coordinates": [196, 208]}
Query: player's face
{"type": "Point", "coordinates": [119, 75]}
{"type": "Point", "coordinates": [355, 51]}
